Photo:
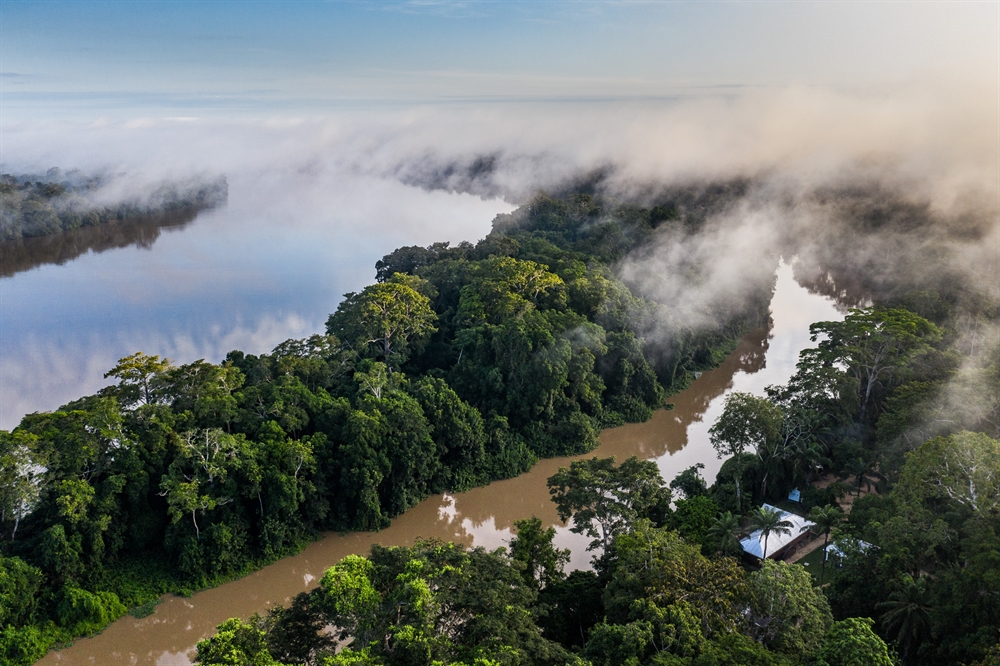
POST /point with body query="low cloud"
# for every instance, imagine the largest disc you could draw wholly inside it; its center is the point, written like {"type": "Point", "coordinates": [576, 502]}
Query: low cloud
{"type": "Point", "coordinates": [868, 190]}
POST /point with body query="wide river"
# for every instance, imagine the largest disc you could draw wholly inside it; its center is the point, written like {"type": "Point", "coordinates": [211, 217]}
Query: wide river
{"type": "Point", "coordinates": [255, 273]}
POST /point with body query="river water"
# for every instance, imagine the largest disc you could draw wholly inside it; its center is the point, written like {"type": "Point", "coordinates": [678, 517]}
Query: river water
{"type": "Point", "coordinates": [675, 439]}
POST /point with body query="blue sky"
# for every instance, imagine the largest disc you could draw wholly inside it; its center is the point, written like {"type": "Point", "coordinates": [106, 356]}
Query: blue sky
{"type": "Point", "coordinates": [125, 58]}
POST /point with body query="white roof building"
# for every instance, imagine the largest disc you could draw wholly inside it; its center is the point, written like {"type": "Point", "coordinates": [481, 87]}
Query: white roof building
{"type": "Point", "coordinates": [835, 549]}
{"type": "Point", "coordinates": [776, 542]}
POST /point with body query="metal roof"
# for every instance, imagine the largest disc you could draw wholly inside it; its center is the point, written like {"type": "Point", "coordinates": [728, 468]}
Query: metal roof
{"type": "Point", "coordinates": [754, 544]}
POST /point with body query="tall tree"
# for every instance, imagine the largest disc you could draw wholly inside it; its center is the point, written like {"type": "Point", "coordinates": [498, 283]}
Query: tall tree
{"type": "Point", "coordinates": [602, 499]}
{"type": "Point", "coordinates": [746, 422]}
{"type": "Point", "coordinates": [138, 376]}
{"type": "Point", "coordinates": [963, 468]}
{"type": "Point", "coordinates": [235, 642]}
{"type": "Point", "coordinates": [852, 642]}
{"type": "Point", "coordinates": [392, 317]}
{"type": "Point", "coordinates": [21, 475]}
{"type": "Point", "coordinates": [825, 519]}
{"type": "Point", "coordinates": [532, 546]}
{"type": "Point", "coordinates": [873, 343]}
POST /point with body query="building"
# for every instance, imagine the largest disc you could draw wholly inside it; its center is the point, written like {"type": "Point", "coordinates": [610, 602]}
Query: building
{"type": "Point", "coordinates": [778, 544]}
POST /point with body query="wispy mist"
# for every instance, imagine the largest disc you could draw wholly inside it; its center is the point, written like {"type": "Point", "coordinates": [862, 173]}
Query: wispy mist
{"type": "Point", "coordinates": [867, 190]}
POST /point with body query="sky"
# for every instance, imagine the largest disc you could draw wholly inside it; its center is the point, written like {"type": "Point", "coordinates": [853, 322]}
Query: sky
{"type": "Point", "coordinates": [85, 59]}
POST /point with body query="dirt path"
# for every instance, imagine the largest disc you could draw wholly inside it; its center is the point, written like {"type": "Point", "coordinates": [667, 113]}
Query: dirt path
{"type": "Point", "coordinates": [845, 503]}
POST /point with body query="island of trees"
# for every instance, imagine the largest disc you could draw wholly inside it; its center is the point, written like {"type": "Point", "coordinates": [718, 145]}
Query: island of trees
{"type": "Point", "coordinates": [33, 205]}
{"type": "Point", "coordinates": [465, 364]}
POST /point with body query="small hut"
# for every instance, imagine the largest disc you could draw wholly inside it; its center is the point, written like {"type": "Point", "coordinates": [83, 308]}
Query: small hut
{"type": "Point", "coordinates": [778, 544]}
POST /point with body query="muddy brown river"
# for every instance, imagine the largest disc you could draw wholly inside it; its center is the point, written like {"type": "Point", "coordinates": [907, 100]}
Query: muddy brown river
{"type": "Point", "coordinates": [676, 439]}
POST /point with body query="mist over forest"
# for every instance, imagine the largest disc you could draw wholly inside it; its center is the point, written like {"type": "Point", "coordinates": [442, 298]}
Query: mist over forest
{"type": "Point", "coordinates": [635, 243]}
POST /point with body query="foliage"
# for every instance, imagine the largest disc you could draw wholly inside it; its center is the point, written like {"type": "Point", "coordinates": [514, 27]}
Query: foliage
{"type": "Point", "coordinates": [788, 615]}
{"type": "Point", "coordinates": [689, 482]}
{"type": "Point", "coordinates": [746, 422]}
{"type": "Point", "coordinates": [852, 642]}
{"type": "Point", "coordinates": [235, 643]}
{"type": "Point", "coordinates": [602, 499]}
{"type": "Point", "coordinates": [461, 365]}
{"type": "Point", "coordinates": [532, 547]}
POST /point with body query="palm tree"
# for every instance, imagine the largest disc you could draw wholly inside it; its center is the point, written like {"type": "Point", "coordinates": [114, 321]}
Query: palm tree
{"type": "Point", "coordinates": [769, 521]}
{"type": "Point", "coordinates": [725, 531]}
{"type": "Point", "coordinates": [825, 519]}
{"type": "Point", "coordinates": [907, 616]}
{"type": "Point", "coordinates": [860, 468]}
{"type": "Point", "coordinates": [807, 459]}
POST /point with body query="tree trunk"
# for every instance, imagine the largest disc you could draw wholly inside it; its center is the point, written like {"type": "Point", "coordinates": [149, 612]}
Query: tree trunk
{"type": "Point", "coordinates": [766, 535]}
{"type": "Point", "coordinates": [197, 532]}
{"type": "Point", "coordinates": [868, 393]}
{"type": "Point", "coordinates": [822, 567]}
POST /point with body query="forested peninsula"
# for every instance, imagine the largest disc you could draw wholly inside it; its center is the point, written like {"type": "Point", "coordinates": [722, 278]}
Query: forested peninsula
{"type": "Point", "coordinates": [33, 205]}
{"type": "Point", "coordinates": [465, 364]}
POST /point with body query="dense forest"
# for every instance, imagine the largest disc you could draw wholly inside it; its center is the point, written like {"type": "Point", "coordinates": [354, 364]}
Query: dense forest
{"type": "Point", "coordinates": [914, 579]}
{"type": "Point", "coordinates": [39, 205]}
{"type": "Point", "coordinates": [465, 364]}
{"type": "Point", "coordinates": [460, 365]}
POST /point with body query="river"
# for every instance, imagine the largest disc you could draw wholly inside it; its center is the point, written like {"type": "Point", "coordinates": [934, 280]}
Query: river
{"type": "Point", "coordinates": [675, 439]}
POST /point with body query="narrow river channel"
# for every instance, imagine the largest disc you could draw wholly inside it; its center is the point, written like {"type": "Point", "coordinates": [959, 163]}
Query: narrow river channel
{"type": "Point", "coordinates": [676, 439]}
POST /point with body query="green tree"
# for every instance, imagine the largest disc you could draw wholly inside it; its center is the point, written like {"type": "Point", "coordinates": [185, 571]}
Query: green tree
{"type": "Point", "coordinates": [874, 343]}
{"type": "Point", "coordinates": [725, 533]}
{"type": "Point", "coordinates": [602, 499]}
{"type": "Point", "coordinates": [769, 521]}
{"type": "Point", "coordinates": [21, 475]}
{"type": "Point", "coordinates": [852, 642]}
{"type": "Point", "coordinates": [690, 482]}
{"type": "Point", "coordinates": [205, 390]}
{"type": "Point", "coordinates": [194, 480]}
{"type": "Point", "coordinates": [350, 600]}
{"type": "Point", "coordinates": [906, 614]}
{"type": "Point", "coordinates": [392, 317]}
{"type": "Point", "coordinates": [963, 468]}
{"type": "Point", "coordinates": [825, 518]}
{"type": "Point", "coordinates": [20, 584]}
{"type": "Point", "coordinates": [138, 377]}
{"type": "Point", "coordinates": [295, 634]}
{"type": "Point", "coordinates": [658, 565]}
{"type": "Point", "coordinates": [235, 643]}
{"type": "Point", "coordinates": [504, 288]}
{"type": "Point", "coordinates": [788, 614]}
{"type": "Point", "coordinates": [746, 422]}
{"type": "Point", "coordinates": [532, 547]}
{"type": "Point", "coordinates": [694, 516]}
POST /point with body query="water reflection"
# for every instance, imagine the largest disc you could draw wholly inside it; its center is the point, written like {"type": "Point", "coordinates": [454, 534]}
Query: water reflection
{"type": "Point", "coordinates": [676, 439]}
{"type": "Point", "coordinates": [24, 254]}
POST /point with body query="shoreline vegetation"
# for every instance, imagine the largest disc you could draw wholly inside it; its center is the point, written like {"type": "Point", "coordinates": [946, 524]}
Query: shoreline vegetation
{"type": "Point", "coordinates": [466, 364]}
{"type": "Point", "coordinates": [34, 205]}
